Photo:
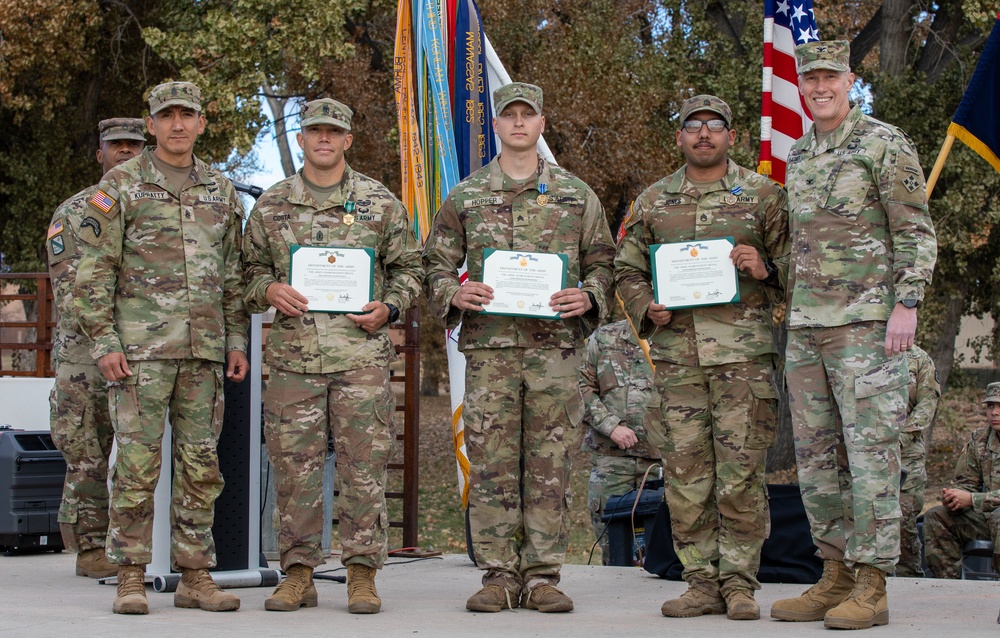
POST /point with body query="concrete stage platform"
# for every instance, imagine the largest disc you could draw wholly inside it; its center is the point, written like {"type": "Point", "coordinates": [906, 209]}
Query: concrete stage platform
{"type": "Point", "coordinates": [42, 597]}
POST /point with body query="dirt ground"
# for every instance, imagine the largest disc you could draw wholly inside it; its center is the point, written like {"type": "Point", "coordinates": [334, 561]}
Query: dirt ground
{"type": "Point", "coordinates": [442, 524]}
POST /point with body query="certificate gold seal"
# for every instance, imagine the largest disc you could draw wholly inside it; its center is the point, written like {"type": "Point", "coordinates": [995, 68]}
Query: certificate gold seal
{"type": "Point", "coordinates": [542, 199]}
{"type": "Point", "coordinates": [348, 219]}
{"type": "Point", "coordinates": [697, 295]}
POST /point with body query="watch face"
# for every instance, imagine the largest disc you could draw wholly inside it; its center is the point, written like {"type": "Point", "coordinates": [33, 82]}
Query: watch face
{"type": "Point", "coordinates": [910, 303]}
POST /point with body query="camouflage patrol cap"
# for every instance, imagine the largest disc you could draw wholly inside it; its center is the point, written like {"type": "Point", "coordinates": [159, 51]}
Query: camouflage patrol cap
{"type": "Point", "coordinates": [174, 94]}
{"type": "Point", "coordinates": [830, 54]}
{"type": "Point", "coordinates": [326, 111]}
{"type": "Point", "coordinates": [992, 393]}
{"type": "Point", "coordinates": [517, 92]}
{"type": "Point", "coordinates": [122, 128]}
{"type": "Point", "coordinates": [706, 103]}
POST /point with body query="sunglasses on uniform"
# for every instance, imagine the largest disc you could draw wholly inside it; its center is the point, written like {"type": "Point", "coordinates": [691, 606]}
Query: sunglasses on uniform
{"type": "Point", "coordinates": [694, 126]}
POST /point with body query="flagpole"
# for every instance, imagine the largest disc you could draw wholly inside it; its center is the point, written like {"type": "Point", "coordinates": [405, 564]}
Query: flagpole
{"type": "Point", "coordinates": [939, 163]}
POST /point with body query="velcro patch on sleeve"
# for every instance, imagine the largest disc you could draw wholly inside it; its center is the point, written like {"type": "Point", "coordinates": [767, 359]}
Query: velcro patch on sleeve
{"type": "Point", "coordinates": [55, 229]}
{"type": "Point", "coordinates": [105, 203]}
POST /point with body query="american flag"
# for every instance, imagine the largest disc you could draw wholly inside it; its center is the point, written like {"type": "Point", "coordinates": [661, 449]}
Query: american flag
{"type": "Point", "coordinates": [784, 116]}
{"type": "Point", "coordinates": [103, 201]}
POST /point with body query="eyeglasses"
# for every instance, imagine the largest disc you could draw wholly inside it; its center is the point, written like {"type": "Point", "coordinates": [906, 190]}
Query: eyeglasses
{"type": "Point", "coordinates": [694, 126]}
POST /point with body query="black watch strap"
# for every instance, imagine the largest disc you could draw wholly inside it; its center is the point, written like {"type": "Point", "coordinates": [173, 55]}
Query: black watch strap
{"type": "Point", "coordinates": [772, 272]}
{"type": "Point", "coordinates": [393, 313]}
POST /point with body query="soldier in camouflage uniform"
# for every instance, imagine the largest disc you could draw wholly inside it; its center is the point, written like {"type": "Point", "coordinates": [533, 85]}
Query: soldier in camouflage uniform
{"type": "Point", "coordinates": [523, 407]}
{"type": "Point", "coordinates": [714, 364]}
{"type": "Point", "coordinates": [970, 510]}
{"type": "Point", "coordinates": [863, 250]}
{"type": "Point", "coordinates": [159, 292]}
{"type": "Point", "coordinates": [329, 372]}
{"type": "Point", "coordinates": [80, 423]}
{"type": "Point", "coordinates": [616, 383]}
{"type": "Point", "coordinates": [923, 393]}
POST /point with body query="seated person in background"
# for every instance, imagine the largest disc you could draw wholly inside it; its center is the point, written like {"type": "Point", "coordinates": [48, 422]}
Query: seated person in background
{"type": "Point", "coordinates": [970, 509]}
{"type": "Point", "coordinates": [616, 383]}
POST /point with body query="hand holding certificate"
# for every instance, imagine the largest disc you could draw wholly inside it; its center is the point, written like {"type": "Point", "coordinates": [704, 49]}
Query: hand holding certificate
{"type": "Point", "coordinates": [694, 273]}
{"type": "Point", "coordinates": [332, 278]}
{"type": "Point", "coordinates": [523, 282]}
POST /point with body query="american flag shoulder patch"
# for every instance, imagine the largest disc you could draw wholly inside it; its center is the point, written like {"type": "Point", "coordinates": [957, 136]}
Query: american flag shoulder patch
{"type": "Point", "coordinates": [55, 229]}
{"type": "Point", "coordinates": [103, 202]}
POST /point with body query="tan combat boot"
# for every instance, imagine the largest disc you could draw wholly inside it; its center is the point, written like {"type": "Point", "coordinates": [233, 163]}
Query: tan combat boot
{"type": "Point", "coordinates": [94, 563]}
{"type": "Point", "coordinates": [547, 599]}
{"type": "Point", "coordinates": [131, 598]}
{"type": "Point", "coordinates": [867, 606]}
{"type": "Point", "coordinates": [740, 605]}
{"type": "Point", "coordinates": [492, 598]}
{"type": "Point", "coordinates": [361, 595]}
{"type": "Point", "coordinates": [197, 590]}
{"type": "Point", "coordinates": [701, 598]}
{"type": "Point", "coordinates": [833, 588]}
{"type": "Point", "coordinates": [297, 590]}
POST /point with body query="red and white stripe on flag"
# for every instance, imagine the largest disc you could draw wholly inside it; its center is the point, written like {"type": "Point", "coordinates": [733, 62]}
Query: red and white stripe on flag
{"type": "Point", "coordinates": [784, 116]}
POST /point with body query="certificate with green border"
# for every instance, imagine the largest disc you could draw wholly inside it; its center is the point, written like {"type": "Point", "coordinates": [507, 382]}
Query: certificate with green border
{"type": "Point", "coordinates": [523, 282]}
{"type": "Point", "coordinates": [695, 273]}
{"type": "Point", "coordinates": [332, 278]}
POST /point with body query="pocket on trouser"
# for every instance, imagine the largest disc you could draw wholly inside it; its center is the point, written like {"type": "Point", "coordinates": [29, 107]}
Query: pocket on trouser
{"type": "Point", "coordinates": [123, 402]}
{"type": "Point", "coordinates": [886, 535]}
{"type": "Point", "coordinates": [68, 513]}
{"type": "Point", "coordinates": [878, 392]}
{"type": "Point", "coordinates": [763, 416]}
{"type": "Point", "coordinates": [575, 409]}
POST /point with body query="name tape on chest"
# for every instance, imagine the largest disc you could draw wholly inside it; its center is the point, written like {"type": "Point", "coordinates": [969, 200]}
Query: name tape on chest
{"type": "Point", "coordinates": [158, 195]}
{"type": "Point", "coordinates": [495, 200]}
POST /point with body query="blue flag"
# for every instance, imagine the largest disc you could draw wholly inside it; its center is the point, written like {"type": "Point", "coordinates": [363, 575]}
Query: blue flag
{"type": "Point", "coordinates": [977, 120]}
{"type": "Point", "coordinates": [471, 106]}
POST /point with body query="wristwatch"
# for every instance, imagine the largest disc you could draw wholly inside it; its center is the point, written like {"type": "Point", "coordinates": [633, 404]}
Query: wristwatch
{"type": "Point", "coordinates": [772, 272]}
{"type": "Point", "coordinates": [393, 313]}
{"type": "Point", "coordinates": [910, 303]}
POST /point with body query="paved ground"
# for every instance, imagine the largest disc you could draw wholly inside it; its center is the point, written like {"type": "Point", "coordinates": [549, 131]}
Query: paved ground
{"type": "Point", "coordinates": [43, 598]}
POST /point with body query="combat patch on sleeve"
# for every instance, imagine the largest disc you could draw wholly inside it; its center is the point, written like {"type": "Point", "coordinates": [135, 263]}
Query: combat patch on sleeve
{"type": "Point", "coordinates": [105, 203]}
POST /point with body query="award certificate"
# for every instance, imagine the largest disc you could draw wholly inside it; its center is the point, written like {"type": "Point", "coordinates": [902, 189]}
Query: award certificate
{"type": "Point", "coordinates": [523, 282]}
{"type": "Point", "coordinates": [332, 278]}
{"type": "Point", "coordinates": [694, 273]}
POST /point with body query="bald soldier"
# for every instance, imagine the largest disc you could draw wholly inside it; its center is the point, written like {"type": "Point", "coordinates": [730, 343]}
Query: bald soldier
{"type": "Point", "coordinates": [863, 250]}
{"type": "Point", "coordinates": [329, 370]}
{"type": "Point", "coordinates": [159, 291]}
{"type": "Point", "coordinates": [715, 362]}
{"type": "Point", "coordinates": [523, 408]}
{"type": "Point", "coordinates": [78, 406]}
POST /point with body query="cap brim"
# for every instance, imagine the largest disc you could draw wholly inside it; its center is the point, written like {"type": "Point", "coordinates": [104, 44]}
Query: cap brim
{"type": "Point", "coordinates": [125, 136]}
{"type": "Point", "coordinates": [823, 64]}
{"type": "Point", "coordinates": [320, 119]}
{"type": "Point", "coordinates": [530, 103]}
{"type": "Point", "coordinates": [177, 102]}
{"type": "Point", "coordinates": [991, 400]}
{"type": "Point", "coordinates": [710, 109]}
